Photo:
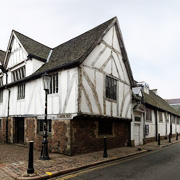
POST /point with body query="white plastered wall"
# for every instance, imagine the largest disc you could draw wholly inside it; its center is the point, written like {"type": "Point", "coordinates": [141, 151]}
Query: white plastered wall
{"type": "Point", "coordinates": [63, 102]}
{"type": "Point", "coordinates": [105, 59]}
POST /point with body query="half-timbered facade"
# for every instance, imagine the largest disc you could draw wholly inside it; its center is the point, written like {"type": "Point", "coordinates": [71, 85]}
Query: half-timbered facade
{"type": "Point", "coordinates": [90, 95]}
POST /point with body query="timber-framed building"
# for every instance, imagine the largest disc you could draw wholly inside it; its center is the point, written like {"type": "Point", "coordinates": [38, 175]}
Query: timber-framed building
{"type": "Point", "coordinates": [90, 95]}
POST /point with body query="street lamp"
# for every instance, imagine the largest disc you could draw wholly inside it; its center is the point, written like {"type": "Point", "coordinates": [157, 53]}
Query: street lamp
{"type": "Point", "coordinates": [44, 150]}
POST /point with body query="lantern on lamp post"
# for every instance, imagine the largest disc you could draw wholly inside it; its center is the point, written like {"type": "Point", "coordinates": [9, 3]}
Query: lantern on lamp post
{"type": "Point", "coordinates": [44, 150]}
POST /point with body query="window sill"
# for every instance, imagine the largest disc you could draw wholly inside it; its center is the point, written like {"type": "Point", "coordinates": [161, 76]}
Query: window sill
{"type": "Point", "coordinates": [41, 134]}
{"type": "Point", "coordinates": [148, 121]}
{"type": "Point", "coordinates": [53, 95]}
{"type": "Point", "coordinates": [21, 99]}
{"type": "Point", "coordinates": [111, 100]}
{"type": "Point", "coordinates": [106, 135]}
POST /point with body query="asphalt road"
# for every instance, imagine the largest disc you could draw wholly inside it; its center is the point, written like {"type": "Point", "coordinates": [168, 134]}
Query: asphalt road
{"type": "Point", "coordinates": [155, 165]}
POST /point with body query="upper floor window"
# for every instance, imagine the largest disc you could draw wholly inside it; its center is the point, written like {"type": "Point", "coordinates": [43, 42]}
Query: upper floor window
{"type": "Point", "coordinates": [18, 74]}
{"type": "Point", "coordinates": [160, 117]}
{"type": "Point", "coordinates": [148, 114]}
{"type": "Point", "coordinates": [54, 84]}
{"type": "Point", "coordinates": [21, 91]}
{"type": "Point", "coordinates": [111, 88]}
{"type": "Point", "coordinates": [172, 119]}
{"type": "Point", "coordinates": [1, 81]}
{"type": "Point", "coordinates": [1, 96]}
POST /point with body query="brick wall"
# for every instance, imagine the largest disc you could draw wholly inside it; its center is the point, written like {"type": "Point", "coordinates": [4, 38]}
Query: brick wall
{"type": "Point", "coordinates": [85, 136]}
{"type": "Point", "coordinates": [58, 138]}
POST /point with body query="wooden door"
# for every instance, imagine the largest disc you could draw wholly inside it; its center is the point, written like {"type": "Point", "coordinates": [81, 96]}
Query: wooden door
{"type": "Point", "coordinates": [20, 130]}
{"type": "Point", "coordinates": [137, 134]}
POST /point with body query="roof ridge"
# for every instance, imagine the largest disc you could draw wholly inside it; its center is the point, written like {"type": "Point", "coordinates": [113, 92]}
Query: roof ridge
{"type": "Point", "coordinates": [30, 38]}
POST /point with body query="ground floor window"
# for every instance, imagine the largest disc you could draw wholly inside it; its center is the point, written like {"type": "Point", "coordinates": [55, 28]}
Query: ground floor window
{"type": "Point", "coordinates": [40, 127]}
{"type": "Point", "coordinates": [105, 127]}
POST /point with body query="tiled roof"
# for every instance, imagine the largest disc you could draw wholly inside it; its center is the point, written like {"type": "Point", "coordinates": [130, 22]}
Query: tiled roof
{"type": "Point", "coordinates": [74, 50]}
{"type": "Point", "coordinates": [33, 47]}
{"type": "Point", "coordinates": [156, 101]}
{"type": "Point", "coordinates": [2, 56]}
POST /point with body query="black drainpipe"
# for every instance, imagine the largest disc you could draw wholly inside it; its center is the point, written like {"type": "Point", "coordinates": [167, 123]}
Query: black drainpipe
{"type": "Point", "coordinates": [156, 123]}
{"type": "Point", "coordinates": [9, 92]}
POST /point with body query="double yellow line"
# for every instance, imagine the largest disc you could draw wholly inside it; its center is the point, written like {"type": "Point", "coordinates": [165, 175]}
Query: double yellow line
{"type": "Point", "coordinates": [120, 161]}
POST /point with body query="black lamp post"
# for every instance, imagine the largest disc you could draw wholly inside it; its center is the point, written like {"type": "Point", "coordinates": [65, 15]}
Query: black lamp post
{"type": "Point", "coordinates": [44, 150]}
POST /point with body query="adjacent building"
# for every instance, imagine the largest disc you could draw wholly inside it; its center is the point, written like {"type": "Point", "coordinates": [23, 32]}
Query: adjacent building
{"type": "Point", "coordinates": [152, 115]}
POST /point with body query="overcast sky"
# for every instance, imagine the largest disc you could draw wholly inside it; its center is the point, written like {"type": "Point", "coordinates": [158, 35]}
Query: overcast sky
{"type": "Point", "coordinates": [150, 29]}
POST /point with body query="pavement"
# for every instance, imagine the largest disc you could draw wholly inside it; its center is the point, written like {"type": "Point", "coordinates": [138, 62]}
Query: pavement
{"type": "Point", "coordinates": [14, 160]}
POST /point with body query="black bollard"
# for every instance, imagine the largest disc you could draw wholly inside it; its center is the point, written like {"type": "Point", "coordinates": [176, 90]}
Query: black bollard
{"type": "Point", "coordinates": [177, 136]}
{"type": "Point", "coordinates": [105, 148]}
{"type": "Point", "coordinates": [169, 137]}
{"type": "Point", "coordinates": [30, 169]}
{"type": "Point", "coordinates": [159, 139]}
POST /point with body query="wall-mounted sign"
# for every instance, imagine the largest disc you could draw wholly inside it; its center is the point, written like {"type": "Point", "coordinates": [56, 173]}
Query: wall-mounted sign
{"type": "Point", "coordinates": [147, 129]}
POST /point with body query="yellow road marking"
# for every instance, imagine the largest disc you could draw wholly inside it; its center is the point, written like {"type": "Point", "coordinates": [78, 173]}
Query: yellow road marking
{"type": "Point", "coordinates": [49, 173]}
{"type": "Point", "coordinates": [107, 165]}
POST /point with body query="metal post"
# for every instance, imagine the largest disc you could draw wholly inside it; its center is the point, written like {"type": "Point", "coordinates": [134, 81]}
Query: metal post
{"type": "Point", "coordinates": [44, 151]}
{"type": "Point", "coordinates": [159, 139]}
{"type": "Point", "coordinates": [30, 169]}
{"type": "Point", "coordinates": [105, 155]}
{"type": "Point", "coordinates": [177, 136]}
{"type": "Point", "coordinates": [169, 137]}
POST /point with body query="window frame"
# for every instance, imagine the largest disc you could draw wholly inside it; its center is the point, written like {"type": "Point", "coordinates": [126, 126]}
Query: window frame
{"type": "Point", "coordinates": [1, 96]}
{"type": "Point", "coordinates": [1, 80]}
{"type": "Point", "coordinates": [148, 115]}
{"type": "Point", "coordinates": [21, 89]}
{"type": "Point", "coordinates": [105, 127]}
{"type": "Point", "coordinates": [160, 114]}
{"type": "Point", "coordinates": [54, 83]}
{"type": "Point", "coordinates": [18, 74]}
{"type": "Point", "coordinates": [40, 126]}
{"type": "Point", "coordinates": [111, 85]}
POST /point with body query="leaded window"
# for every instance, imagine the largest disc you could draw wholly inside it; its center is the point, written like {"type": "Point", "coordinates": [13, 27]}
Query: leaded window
{"type": "Point", "coordinates": [18, 74]}
{"type": "Point", "coordinates": [41, 125]}
{"type": "Point", "coordinates": [54, 84]}
{"type": "Point", "coordinates": [21, 91]}
{"type": "Point", "coordinates": [111, 88]}
{"type": "Point", "coordinates": [1, 81]}
{"type": "Point", "coordinates": [172, 119]}
{"type": "Point", "coordinates": [1, 96]}
{"type": "Point", "coordinates": [160, 117]}
{"type": "Point", "coordinates": [148, 114]}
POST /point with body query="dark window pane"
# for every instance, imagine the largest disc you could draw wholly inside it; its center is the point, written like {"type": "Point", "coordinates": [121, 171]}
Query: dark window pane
{"type": "Point", "coordinates": [56, 82]}
{"type": "Point", "coordinates": [105, 127]}
{"type": "Point", "coordinates": [111, 87]}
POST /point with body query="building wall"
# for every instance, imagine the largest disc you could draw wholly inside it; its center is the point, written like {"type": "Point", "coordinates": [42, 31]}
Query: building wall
{"type": "Point", "coordinates": [85, 136]}
{"type": "Point", "coordinates": [63, 102]}
{"type": "Point", "coordinates": [105, 59]}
